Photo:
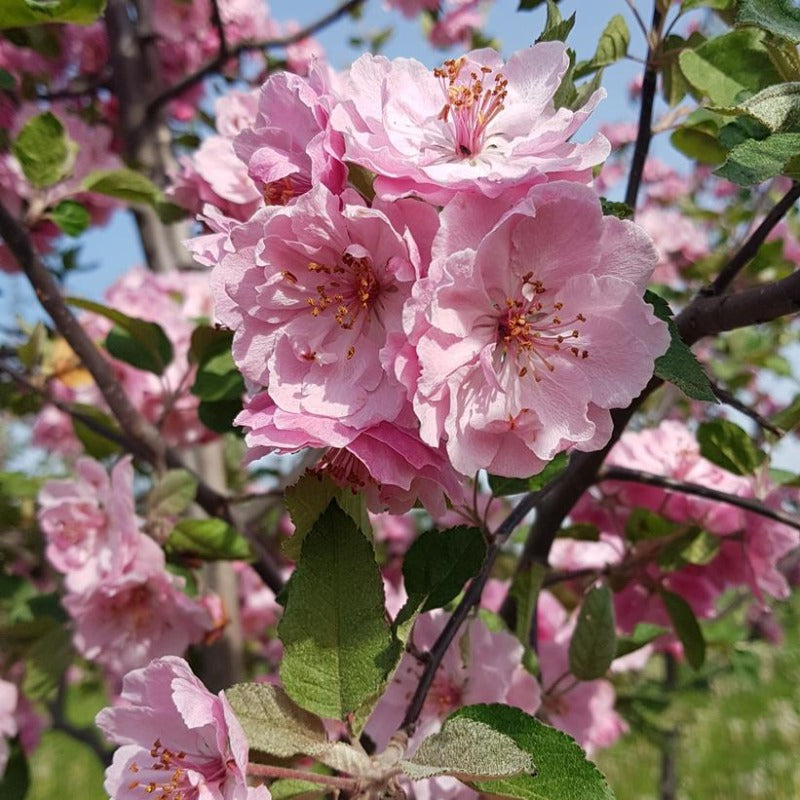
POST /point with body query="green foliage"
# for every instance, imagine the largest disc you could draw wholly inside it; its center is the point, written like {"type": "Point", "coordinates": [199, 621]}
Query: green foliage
{"type": "Point", "coordinates": [686, 628]}
{"type": "Point", "coordinates": [20, 13]}
{"type": "Point", "coordinates": [468, 749]}
{"type": "Point", "coordinates": [698, 138]}
{"type": "Point", "coordinates": [217, 375]}
{"type": "Point", "coordinates": [594, 641]}
{"type": "Point", "coordinates": [44, 150]}
{"type": "Point", "coordinates": [781, 17]}
{"type": "Point", "coordinates": [525, 589]}
{"type": "Point", "coordinates": [695, 546]}
{"type": "Point", "coordinates": [123, 184]}
{"type": "Point", "coordinates": [529, 5]}
{"type": "Point", "coordinates": [141, 344]}
{"type": "Point", "coordinates": [71, 217]}
{"type": "Point", "coordinates": [338, 647]}
{"type": "Point", "coordinates": [172, 494]}
{"type": "Point", "coordinates": [556, 28]}
{"type": "Point", "coordinates": [679, 365]}
{"type": "Point", "coordinates": [729, 446]}
{"type": "Point", "coordinates": [562, 770]}
{"type": "Point", "coordinates": [94, 443]}
{"type": "Point", "coordinates": [501, 486]}
{"type": "Point", "coordinates": [616, 209]}
{"type": "Point", "coordinates": [642, 635]}
{"type": "Point", "coordinates": [437, 565]}
{"type": "Point", "coordinates": [613, 46]}
{"type": "Point", "coordinates": [776, 107]}
{"type": "Point", "coordinates": [15, 780]}
{"type": "Point", "coordinates": [755, 161]}
{"type": "Point", "coordinates": [208, 539]}
{"type": "Point", "coordinates": [642, 524]}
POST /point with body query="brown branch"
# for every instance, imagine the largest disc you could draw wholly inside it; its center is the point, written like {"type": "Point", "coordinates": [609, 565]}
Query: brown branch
{"type": "Point", "coordinates": [750, 247]}
{"type": "Point", "coordinates": [216, 63]}
{"type": "Point", "coordinates": [216, 21]}
{"type": "Point", "coordinates": [270, 771]}
{"type": "Point", "coordinates": [730, 399]}
{"type": "Point", "coordinates": [697, 490]}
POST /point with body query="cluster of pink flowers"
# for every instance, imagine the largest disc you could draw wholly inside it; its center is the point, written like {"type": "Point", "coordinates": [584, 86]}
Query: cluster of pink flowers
{"type": "Point", "coordinates": [176, 301]}
{"type": "Point", "coordinates": [422, 344]}
{"type": "Point", "coordinates": [453, 22]}
{"type": "Point", "coordinates": [178, 740]}
{"type": "Point", "coordinates": [750, 546]}
{"type": "Point", "coordinates": [125, 606]}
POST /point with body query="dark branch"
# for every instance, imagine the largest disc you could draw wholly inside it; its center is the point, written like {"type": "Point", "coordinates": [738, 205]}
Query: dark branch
{"type": "Point", "coordinates": [750, 247]}
{"type": "Point", "coordinates": [730, 399]}
{"type": "Point", "coordinates": [216, 63]}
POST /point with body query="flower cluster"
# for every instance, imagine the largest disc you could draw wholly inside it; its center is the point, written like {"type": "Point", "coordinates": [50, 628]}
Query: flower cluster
{"type": "Point", "coordinates": [422, 344]}
{"type": "Point", "coordinates": [126, 608]}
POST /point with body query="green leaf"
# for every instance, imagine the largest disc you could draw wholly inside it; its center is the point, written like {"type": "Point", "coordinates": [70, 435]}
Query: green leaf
{"type": "Point", "coordinates": [594, 641]}
{"type": "Point", "coordinates": [788, 418]}
{"type": "Point", "coordinates": [613, 46]}
{"type": "Point", "coordinates": [728, 67]}
{"type": "Point", "coordinates": [502, 486]}
{"type": "Point", "coordinates": [123, 184]}
{"type": "Point", "coordinates": [529, 5]}
{"type": "Point", "coordinates": [679, 364]}
{"type": "Point", "coordinates": [696, 546]}
{"type": "Point", "coordinates": [781, 17]}
{"type": "Point", "coordinates": [729, 446]}
{"type": "Point", "coordinates": [44, 150]}
{"type": "Point", "coordinates": [218, 378]}
{"type": "Point", "coordinates": [307, 500]}
{"type": "Point", "coordinates": [642, 635]}
{"type": "Point", "coordinates": [14, 782]}
{"type": "Point", "coordinates": [362, 180]}
{"type": "Point", "coordinates": [686, 628]}
{"type": "Point", "coordinates": [47, 661]}
{"type": "Point", "coordinates": [208, 539]}
{"type": "Point", "coordinates": [20, 13]}
{"type": "Point", "coordinates": [286, 788]}
{"type": "Point", "coordinates": [562, 770]}
{"type": "Point", "coordinates": [95, 444]}
{"type": "Point", "coordinates": [645, 524]}
{"type": "Point", "coordinates": [338, 648]}
{"type": "Point", "coordinates": [699, 144]}
{"type": "Point", "coordinates": [612, 208]}
{"type": "Point", "coordinates": [525, 589]}
{"type": "Point", "coordinates": [273, 722]}
{"type": "Point", "coordinates": [556, 29]}
{"type": "Point", "coordinates": [141, 344]}
{"type": "Point", "coordinates": [470, 750]}
{"type": "Point", "coordinates": [754, 161]}
{"type": "Point", "coordinates": [173, 493]}
{"type": "Point", "coordinates": [71, 217]}
{"type": "Point", "coordinates": [437, 565]}
{"type": "Point", "coordinates": [776, 107]}
{"type": "Point", "coordinates": [218, 415]}
{"type": "Point", "coordinates": [7, 81]}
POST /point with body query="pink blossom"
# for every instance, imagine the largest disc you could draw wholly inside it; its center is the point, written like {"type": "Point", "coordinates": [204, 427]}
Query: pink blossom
{"type": "Point", "coordinates": [301, 55]}
{"type": "Point", "coordinates": [8, 724]}
{"type": "Point", "coordinates": [176, 737]}
{"type": "Point", "coordinates": [411, 8]}
{"type": "Point", "coordinates": [620, 134]}
{"type": "Point", "coordinates": [456, 23]}
{"type": "Point", "coordinates": [511, 366]}
{"type": "Point", "coordinates": [475, 125]}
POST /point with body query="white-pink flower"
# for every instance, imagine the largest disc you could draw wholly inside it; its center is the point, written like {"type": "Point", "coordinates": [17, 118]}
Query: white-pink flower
{"type": "Point", "coordinates": [178, 739]}
{"type": "Point", "coordinates": [529, 329]}
{"type": "Point", "coordinates": [475, 125]}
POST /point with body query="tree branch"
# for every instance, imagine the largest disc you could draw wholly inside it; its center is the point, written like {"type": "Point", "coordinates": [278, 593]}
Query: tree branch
{"type": "Point", "coordinates": [730, 399]}
{"type": "Point", "coordinates": [750, 247]}
{"type": "Point", "coordinates": [216, 63]}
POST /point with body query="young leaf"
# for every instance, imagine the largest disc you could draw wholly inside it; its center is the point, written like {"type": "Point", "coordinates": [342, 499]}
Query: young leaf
{"type": "Point", "coordinates": [613, 46]}
{"type": "Point", "coordinates": [71, 217]}
{"type": "Point", "coordinates": [686, 627]}
{"type": "Point", "coordinates": [208, 539]}
{"type": "Point", "coordinates": [21, 13]}
{"type": "Point", "coordinates": [338, 648]}
{"type": "Point", "coordinates": [123, 184]}
{"type": "Point", "coordinates": [555, 28]}
{"type": "Point", "coordinates": [172, 494]}
{"type": "Point", "coordinates": [470, 750]}
{"type": "Point", "coordinates": [776, 16]}
{"type": "Point", "coordinates": [44, 150]}
{"type": "Point", "coordinates": [594, 641]}
{"type": "Point", "coordinates": [438, 564]}
{"type": "Point", "coordinates": [679, 365]}
{"type": "Point", "coordinates": [502, 486]}
{"type": "Point", "coordinates": [729, 446]}
{"type": "Point", "coordinates": [562, 770]}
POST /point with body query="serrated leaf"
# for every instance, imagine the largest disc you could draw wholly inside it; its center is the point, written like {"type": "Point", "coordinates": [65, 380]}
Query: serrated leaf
{"type": "Point", "coordinates": [562, 769]}
{"type": "Point", "coordinates": [755, 161]}
{"type": "Point", "coordinates": [726, 444]}
{"type": "Point", "coordinates": [21, 13]}
{"type": "Point", "coordinates": [728, 67]}
{"type": "Point", "coordinates": [469, 750]}
{"type": "Point", "coordinates": [208, 539]}
{"type": "Point", "coordinates": [502, 486]}
{"type": "Point", "coordinates": [613, 46]}
{"type": "Point", "coordinates": [686, 627]}
{"type": "Point", "coordinates": [44, 150]}
{"type": "Point", "coordinates": [273, 722]}
{"type": "Point", "coordinates": [173, 493]}
{"type": "Point", "coordinates": [123, 184]}
{"type": "Point", "coordinates": [338, 648]}
{"type": "Point", "coordinates": [594, 641]}
{"type": "Point", "coordinates": [679, 364]}
{"type": "Point", "coordinates": [141, 344]}
{"type": "Point", "coordinates": [306, 501]}
{"type": "Point", "coordinates": [780, 17]}
{"type": "Point", "coordinates": [437, 565]}
{"type": "Point", "coordinates": [71, 217]}
{"type": "Point", "coordinates": [776, 107]}
{"type": "Point", "coordinates": [642, 635]}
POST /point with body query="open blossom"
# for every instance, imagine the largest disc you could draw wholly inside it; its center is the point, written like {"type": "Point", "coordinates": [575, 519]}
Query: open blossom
{"type": "Point", "coordinates": [475, 125]}
{"type": "Point", "coordinates": [457, 21]}
{"type": "Point", "coordinates": [178, 740]}
{"type": "Point", "coordinates": [527, 331]}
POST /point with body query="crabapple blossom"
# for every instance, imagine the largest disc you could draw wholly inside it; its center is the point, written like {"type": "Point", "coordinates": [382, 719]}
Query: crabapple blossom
{"type": "Point", "coordinates": [510, 366]}
{"type": "Point", "coordinates": [475, 125]}
{"type": "Point", "coordinates": [176, 739]}
{"type": "Point", "coordinates": [457, 22]}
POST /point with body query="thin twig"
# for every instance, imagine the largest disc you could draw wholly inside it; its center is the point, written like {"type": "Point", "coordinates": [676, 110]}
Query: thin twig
{"type": "Point", "coordinates": [269, 771]}
{"type": "Point", "coordinates": [697, 490]}
{"type": "Point", "coordinates": [750, 247]}
{"type": "Point", "coordinates": [216, 20]}
{"type": "Point", "coordinates": [730, 399]}
{"type": "Point", "coordinates": [216, 63]}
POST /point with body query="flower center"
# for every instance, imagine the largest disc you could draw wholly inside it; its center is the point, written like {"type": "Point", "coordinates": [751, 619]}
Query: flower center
{"type": "Point", "coordinates": [531, 331]}
{"type": "Point", "coordinates": [175, 786]}
{"type": "Point", "coordinates": [281, 191]}
{"type": "Point", "coordinates": [344, 469]}
{"type": "Point", "coordinates": [470, 106]}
